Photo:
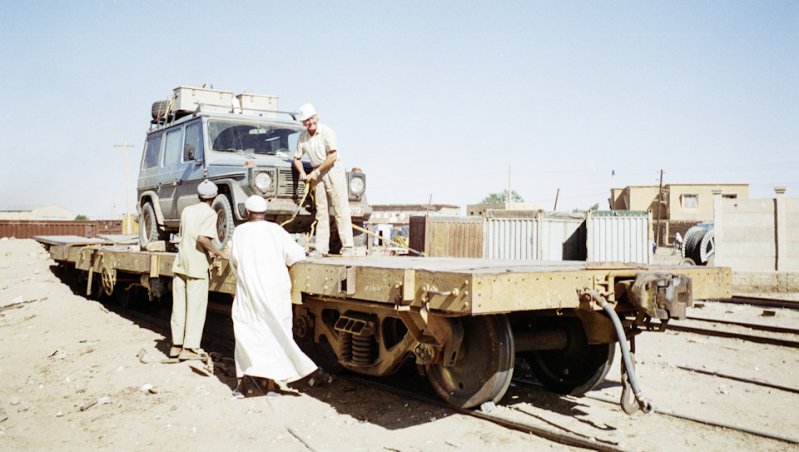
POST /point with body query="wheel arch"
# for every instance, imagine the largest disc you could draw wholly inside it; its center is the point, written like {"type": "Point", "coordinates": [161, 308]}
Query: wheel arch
{"type": "Point", "coordinates": [226, 187]}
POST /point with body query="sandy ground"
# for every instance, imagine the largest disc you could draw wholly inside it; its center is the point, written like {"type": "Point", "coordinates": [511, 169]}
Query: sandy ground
{"type": "Point", "coordinates": [62, 352]}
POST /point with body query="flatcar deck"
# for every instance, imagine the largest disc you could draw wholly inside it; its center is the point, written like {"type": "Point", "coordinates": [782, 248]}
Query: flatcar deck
{"type": "Point", "coordinates": [453, 285]}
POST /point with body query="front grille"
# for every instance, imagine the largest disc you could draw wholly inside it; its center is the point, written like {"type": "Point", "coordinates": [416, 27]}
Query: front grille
{"type": "Point", "coordinates": [289, 184]}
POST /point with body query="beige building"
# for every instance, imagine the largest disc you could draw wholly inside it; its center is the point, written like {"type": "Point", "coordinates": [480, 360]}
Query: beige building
{"type": "Point", "coordinates": [49, 212]}
{"type": "Point", "coordinates": [681, 202]}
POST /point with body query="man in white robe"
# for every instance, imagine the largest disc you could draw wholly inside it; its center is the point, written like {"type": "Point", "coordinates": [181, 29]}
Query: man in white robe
{"type": "Point", "coordinates": [262, 313]}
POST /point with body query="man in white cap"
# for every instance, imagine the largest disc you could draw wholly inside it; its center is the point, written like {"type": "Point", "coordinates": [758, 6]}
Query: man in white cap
{"type": "Point", "coordinates": [190, 283]}
{"type": "Point", "coordinates": [261, 253]}
{"type": "Point", "coordinates": [319, 142]}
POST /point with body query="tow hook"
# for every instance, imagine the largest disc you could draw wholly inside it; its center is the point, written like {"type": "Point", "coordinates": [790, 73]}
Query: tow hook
{"type": "Point", "coordinates": [662, 295]}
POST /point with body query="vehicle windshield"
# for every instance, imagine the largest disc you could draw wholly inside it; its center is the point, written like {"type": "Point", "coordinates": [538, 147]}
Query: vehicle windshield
{"type": "Point", "coordinates": [253, 138]}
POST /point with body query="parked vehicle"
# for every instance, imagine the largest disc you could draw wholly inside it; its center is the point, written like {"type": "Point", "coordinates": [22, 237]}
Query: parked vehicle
{"type": "Point", "coordinates": [244, 145]}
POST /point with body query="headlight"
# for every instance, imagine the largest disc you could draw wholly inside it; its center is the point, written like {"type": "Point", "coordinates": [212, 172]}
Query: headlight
{"type": "Point", "coordinates": [356, 186]}
{"type": "Point", "coordinates": [263, 181]}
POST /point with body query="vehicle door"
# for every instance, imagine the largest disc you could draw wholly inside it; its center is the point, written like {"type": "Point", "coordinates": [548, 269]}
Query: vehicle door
{"type": "Point", "coordinates": [173, 170]}
{"type": "Point", "coordinates": [193, 166]}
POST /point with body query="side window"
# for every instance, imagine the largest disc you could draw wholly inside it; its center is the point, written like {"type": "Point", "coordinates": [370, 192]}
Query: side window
{"type": "Point", "coordinates": [690, 201]}
{"type": "Point", "coordinates": [151, 152]}
{"type": "Point", "coordinates": [193, 148]}
{"type": "Point", "coordinates": [174, 138]}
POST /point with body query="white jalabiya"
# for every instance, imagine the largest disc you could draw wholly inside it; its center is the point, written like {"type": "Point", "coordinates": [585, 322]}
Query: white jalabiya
{"type": "Point", "coordinates": [262, 314]}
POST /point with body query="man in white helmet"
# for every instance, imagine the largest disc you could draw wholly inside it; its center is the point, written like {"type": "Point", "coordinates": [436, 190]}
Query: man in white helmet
{"type": "Point", "coordinates": [329, 178]}
{"type": "Point", "coordinates": [261, 253]}
{"type": "Point", "coordinates": [190, 283]}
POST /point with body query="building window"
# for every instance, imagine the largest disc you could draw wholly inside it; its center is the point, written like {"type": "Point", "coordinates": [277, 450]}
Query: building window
{"type": "Point", "coordinates": [690, 201]}
{"type": "Point", "coordinates": [730, 196]}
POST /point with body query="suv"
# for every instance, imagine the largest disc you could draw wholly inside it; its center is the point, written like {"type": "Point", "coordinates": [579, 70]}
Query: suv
{"type": "Point", "coordinates": [241, 143]}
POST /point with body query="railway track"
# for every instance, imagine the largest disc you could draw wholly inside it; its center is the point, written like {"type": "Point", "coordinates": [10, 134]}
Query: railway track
{"type": "Point", "coordinates": [760, 301]}
{"type": "Point", "coordinates": [787, 336]}
{"type": "Point", "coordinates": [221, 342]}
{"type": "Point", "coordinates": [688, 417]}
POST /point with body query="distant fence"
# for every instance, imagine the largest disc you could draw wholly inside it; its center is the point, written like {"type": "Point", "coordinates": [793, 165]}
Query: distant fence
{"type": "Point", "coordinates": [25, 229]}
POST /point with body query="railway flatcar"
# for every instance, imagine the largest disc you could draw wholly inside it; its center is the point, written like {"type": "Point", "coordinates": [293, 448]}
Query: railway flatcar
{"type": "Point", "coordinates": [464, 321]}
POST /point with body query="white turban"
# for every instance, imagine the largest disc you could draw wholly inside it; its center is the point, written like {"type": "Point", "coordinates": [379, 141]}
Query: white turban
{"type": "Point", "coordinates": [207, 189]}
{"type": "Point", "coordinates": [255, 204]}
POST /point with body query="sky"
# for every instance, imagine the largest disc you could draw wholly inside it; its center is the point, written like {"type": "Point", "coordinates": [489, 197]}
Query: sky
{"type": "Point", "coordinates": [437, 101]}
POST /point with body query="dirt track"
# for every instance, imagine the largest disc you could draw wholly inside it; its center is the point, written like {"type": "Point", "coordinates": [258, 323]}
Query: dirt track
{"type": "Point", "coordinates": [62, 352]}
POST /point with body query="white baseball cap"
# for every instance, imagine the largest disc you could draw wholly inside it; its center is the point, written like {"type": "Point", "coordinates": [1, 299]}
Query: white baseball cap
{"type": "Point", "coordinates": [255, 204]}
{"type": "Point", "coordinates": [207, 189]}
{"type": "Point", "coordinates": [306, 111]}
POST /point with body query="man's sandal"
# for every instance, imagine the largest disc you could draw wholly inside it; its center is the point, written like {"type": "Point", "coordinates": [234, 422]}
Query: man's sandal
{"type": "Point", "coordinates": [192, 354]}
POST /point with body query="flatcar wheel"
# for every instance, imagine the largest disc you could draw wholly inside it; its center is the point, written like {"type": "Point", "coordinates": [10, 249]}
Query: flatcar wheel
{"type": "Point", "coordinates": [325, 357]}
{"type": "Point", "coordinates": [484, 366]}
{"type": "Point", "coordinates": [576, 369]}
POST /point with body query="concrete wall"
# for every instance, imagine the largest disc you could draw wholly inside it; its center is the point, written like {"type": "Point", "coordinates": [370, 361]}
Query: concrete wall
{"type": "Point", "coordinates": [757, 235]}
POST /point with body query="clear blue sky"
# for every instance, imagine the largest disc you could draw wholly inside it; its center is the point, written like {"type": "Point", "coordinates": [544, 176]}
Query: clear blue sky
{"type": "Point", "coordinates": [429, 98]}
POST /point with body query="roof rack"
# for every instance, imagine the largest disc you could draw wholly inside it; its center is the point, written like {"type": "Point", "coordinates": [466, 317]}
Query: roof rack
{"type": "Point", "coordinates": [188, 100]}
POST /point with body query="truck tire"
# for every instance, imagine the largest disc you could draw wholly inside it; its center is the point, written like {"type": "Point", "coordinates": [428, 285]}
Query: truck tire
{"type": "Point", "coordinates": [160, 109]}
{"type": "Point", "coordinates": [224, 221]}
{"type": "Point", "coordinates": [148, 226]}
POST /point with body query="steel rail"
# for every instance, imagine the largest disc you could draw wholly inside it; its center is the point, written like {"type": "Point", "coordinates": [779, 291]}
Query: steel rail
{"type": "Point", "coordinates": [758, 301]}
{"type": "Point", "coordinates": [700, 420]}
{"type": "Point", "coordinates": [727, 334]}
{"type": "Point", "coordinates": [688, 417]}
{"type": "Point", "coordinates": [740, 379]}
{"type": "Point", "coordinates": [155, 322]}
{"type": "Point", "coordinates": [753, 326]}
{"type": "Point", "coordinates": [569, 439]}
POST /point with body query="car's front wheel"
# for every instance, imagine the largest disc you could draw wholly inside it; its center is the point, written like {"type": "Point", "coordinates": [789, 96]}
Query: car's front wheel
{"type": "Point", "coordinates": [224, 221]}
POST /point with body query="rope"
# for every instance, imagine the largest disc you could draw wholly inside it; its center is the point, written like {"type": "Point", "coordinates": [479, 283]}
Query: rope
{"type": "Point", "coordinates": [310, 233]}
{"type": "Point", "coordinates": [393, 242]}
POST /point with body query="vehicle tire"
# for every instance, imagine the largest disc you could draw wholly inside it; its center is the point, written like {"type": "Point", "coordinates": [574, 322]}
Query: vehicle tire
{"type": "Point", "coordinates": [148, 226]}
{"type": "Point", "coordinates": [224, 221]}
{"type": "Point", "coordinates": [160, 109]}
{"type": "Point", "coordinates": [576, 369]}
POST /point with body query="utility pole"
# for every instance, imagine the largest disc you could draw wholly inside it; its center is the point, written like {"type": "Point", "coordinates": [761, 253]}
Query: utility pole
{"type": "Point", "coordinates": [557, 194]}
{"type": "Point", "coordinates": [508, 199]}
{"type": "Point", "coordinates": [660, 201]}
{"type": "Point", "coordinates": [126, 217]}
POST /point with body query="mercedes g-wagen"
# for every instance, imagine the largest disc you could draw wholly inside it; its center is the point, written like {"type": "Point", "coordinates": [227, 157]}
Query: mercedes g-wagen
{"type": "Point", "coordinates": [244, 145]}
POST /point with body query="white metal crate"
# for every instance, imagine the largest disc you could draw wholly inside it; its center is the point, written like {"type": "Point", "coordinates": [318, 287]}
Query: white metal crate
{"type": "Point", "coordinates": [256, 103]}
{"type": "Point", "coordinates": [188, 98]}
